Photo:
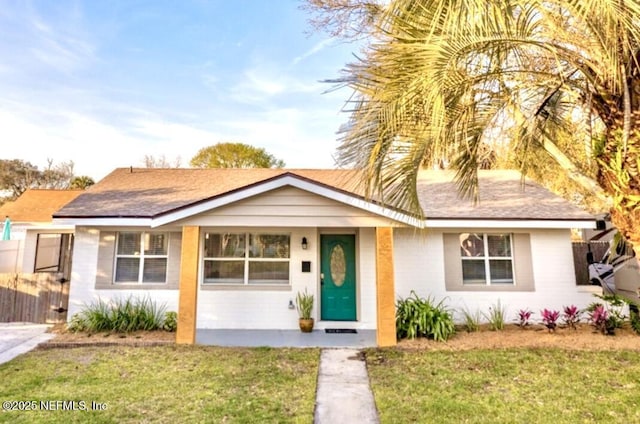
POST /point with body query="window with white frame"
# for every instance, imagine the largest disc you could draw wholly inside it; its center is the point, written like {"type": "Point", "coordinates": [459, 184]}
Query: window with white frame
{"type": "Point", "coordinates": [246, 258]}
{"type": "Point", "coordinates": [486, 258]}
{"type": "Point", "coordinates": [141, 257]}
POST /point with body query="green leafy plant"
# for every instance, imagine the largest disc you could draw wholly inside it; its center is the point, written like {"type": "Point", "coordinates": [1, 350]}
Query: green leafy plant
{"type": "Point", "coordinates": [77, 324]}
{"type": "Point", "coordinates": [471, 320]}
{"type": "Point", "coordinates": [170, 321]}
{"type": "Point", "coordinates": [304, 304]}
{"type": "Point", "coordinates": [120, 315]}
{"type": "Point", "coordinates": [496, 316]}
{"type": "Point", "coordinates": [634, 317]}
{"type": "Point", "coordinates": [422, 317]}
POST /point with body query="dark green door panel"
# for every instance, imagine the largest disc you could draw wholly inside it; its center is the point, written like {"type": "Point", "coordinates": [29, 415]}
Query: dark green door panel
{"type": "Point", "coordinates": [338, 277]}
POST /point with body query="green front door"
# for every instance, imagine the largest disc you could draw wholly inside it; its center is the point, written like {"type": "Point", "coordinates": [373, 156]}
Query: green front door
{"type": "Point", "coordinates": [338, 277]}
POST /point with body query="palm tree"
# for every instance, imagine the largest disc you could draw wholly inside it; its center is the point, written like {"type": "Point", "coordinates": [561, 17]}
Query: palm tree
{"type": "Point", "coordinates": [443, 78]}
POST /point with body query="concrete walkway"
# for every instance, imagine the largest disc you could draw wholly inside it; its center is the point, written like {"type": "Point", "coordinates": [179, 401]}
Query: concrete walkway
{"type": "Point", "coordinates": [17, 338]}
{"type": "Point", "coordinates": [343, 394]}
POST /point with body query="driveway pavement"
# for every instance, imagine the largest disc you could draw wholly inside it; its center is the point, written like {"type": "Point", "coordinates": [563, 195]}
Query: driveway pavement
{"type": "Point", "coordinates": [19, 337]}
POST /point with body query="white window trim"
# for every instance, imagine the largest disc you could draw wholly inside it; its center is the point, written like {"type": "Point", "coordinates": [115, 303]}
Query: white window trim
{"type": "Point", "coordinates": [247, 259]}
{"type": "Point", "coordinates": [487, 259]}
{"type": "Point", "coordinates": [142, 256]}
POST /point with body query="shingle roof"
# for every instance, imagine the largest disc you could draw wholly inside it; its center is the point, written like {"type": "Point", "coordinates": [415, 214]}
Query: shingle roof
{"type": "Point", "coordinates": [37, 205]}
{"type": "Point", "coordinates": [502, 195]}
{"type": "Point", "coordinates": [149, 192]}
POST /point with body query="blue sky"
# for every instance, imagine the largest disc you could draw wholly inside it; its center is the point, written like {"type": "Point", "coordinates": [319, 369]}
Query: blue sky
{"type": "Point", "coordinates": [104, 83]}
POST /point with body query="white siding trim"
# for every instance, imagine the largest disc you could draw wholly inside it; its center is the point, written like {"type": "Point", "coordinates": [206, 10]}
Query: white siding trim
{"type": "Point", "coordinates": [292, 181]}
{"type": "Point", "coordinates": [498, 223]}
{"type": "Point", "coordinates": [106, 222]}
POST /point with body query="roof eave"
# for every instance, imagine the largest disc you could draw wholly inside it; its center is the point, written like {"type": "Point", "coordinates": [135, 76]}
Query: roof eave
{"type": "Point", "coordinates": [555, 223]}
{"type": "Point", "coordinates": [280, 181]}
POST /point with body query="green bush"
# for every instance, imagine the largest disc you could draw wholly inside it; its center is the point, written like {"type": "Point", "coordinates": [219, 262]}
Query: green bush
{"type": "Point", "coordinates": [121, 315]}
{"type": "Point", "coordinates": [170, 321]}
{"type": "Point", "coordinates": [420, 317]}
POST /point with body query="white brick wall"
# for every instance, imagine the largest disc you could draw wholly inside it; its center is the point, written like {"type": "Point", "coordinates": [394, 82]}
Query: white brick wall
{"type": "Point", "coordinates": [265, 309]}
{"type": "Point", "coordinates": [420, 267]}
{"type": "Point", "coordinates": [83, 278]}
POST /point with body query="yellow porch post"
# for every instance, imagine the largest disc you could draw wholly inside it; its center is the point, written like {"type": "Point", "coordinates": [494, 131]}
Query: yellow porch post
{"type": "Point", "coordinates": [385, 288]}
{"type": "Point", "coordinates": [187, 307]}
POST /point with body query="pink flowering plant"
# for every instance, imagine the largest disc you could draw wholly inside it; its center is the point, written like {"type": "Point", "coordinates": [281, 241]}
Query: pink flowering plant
{"type": "Point", "coordinates": [524, 315]}
{"type": "Point", "coordinates": [571, 316]}
{"type": "Point", "coordinates": [550, 318]}
{"type": "Point", "coordinates": [599, 318]}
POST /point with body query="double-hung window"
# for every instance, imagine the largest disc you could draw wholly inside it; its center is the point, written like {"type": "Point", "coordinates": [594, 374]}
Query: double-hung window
{"type": "Point", "coordinates": [486, 258]}
{"type": "Point", "coordinates": [246, 258]}
{"type": "Point", "coordinates": [141, 257]}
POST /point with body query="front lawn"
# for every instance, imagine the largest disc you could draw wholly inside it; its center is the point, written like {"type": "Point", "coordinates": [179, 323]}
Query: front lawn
{"type": "Point", "coordinates": [505, 385]}
{"type": "Point", "coordinates": [169, 384]}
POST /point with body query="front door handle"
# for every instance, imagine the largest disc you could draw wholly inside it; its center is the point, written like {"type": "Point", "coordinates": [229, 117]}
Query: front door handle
{"type": "Point", "coordinates": [322, 279]}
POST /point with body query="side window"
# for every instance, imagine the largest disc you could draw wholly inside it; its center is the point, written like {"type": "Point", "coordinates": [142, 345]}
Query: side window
{"type": "Point", "coordinates": [476, 261]}
{"type": "Point", "coordinates": [486, 258]}
{"type": "Point", "coordinates": [141, 257]}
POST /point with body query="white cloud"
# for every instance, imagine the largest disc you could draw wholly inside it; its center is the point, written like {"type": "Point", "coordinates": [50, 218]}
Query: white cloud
{"type": "Point", "coordinates": [65, 46]}
{"type": "Point", "coordinates": [313, 50]}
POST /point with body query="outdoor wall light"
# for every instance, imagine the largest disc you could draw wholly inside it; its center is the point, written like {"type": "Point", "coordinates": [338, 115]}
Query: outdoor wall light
{"type": "Point", "coordinates": [291, 304]}
{"type": "Point", "coordinates": [304, 243]}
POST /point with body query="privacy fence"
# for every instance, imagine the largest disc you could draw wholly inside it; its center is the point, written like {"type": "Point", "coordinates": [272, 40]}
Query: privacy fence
{"type": "Point", "coordinates": [40, 297]}
{"type": "Point", "coordinates": [580, 249]}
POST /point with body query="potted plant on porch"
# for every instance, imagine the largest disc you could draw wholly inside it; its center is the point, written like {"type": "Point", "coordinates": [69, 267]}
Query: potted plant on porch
{"type": "Point", "coordinates": [304, 304]}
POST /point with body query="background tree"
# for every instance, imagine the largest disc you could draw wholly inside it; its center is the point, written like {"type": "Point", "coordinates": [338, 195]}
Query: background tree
{"type": "Point", "coordinates": [82, 182]}
{"type": "Point", "coordinates": [348, 19]}
{"type": "Point", "coordinates": [553, 79]}
{"type": "Point", "coordinates": [56, 176]}
{"type": "Point", "coordinates": [234, 155]}
{"type": "Point", "coordinates": [151, 161]}
{"type": "Point", "coordinates": [17, 175]}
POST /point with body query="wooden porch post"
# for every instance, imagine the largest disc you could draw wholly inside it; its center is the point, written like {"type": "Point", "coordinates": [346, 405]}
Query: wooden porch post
{"type": "Point", "coordinates": [385, 288]}
{"type": "Point", "coordinates": [187, 308]}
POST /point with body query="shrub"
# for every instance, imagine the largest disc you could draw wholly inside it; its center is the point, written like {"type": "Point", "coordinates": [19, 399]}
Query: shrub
{"type": "Point", "coordinates": [170, 321]}
{"type": "Point", "coordinates": [77, 324]}
{"type": "Point", "coordinates": [634, 316]}
{"type": "Point", "coordinates": [121, 315]}
{"type": "Point", "coordinates": [613, 306]}
{"type": "Point", "coordinates": [571, 316]}
{"type": "Point", "coordinates": [601, 320]}
{"type": "Point", "coordinates": [496, 316]}
{"type": "Point", "coordinates": [550, 318]}
{"type": "Point", "coordinates": [524, 315]}
{"type": "Point", "coordinates": [471, 320]}
{"type": "Point", "coordinates": [420, 317]}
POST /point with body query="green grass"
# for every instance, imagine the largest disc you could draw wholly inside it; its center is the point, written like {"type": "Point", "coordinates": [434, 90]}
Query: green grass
{"type": "Point", "coordinates": [169, 384]}
{"type": "Point", "coordinates": [505, 386]}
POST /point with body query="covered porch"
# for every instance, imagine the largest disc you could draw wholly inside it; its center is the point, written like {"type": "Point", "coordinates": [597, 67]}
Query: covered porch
{"type": "Point", "coordinates": [285, 338]}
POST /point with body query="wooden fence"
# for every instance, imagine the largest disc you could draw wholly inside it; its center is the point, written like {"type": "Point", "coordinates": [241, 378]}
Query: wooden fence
{"type": "Point", "coordinates": [580, 250]}
{"type": "Point", "coordinates": [39, 298]}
